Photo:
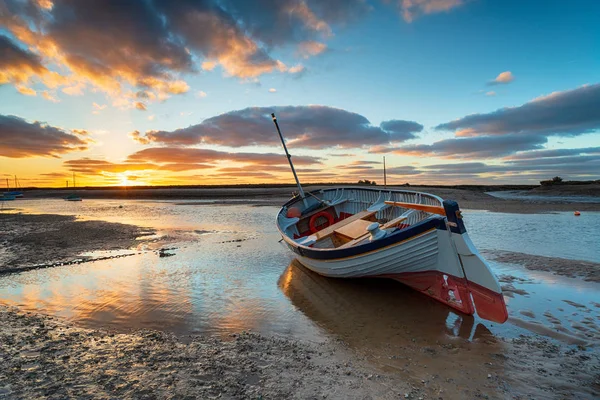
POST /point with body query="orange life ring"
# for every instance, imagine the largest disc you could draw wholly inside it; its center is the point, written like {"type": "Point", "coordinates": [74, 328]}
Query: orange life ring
{"type": "Point", "coordinates": [313, 220]}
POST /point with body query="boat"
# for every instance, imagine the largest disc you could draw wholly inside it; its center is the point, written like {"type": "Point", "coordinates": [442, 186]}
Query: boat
{"type": "Point", "coordinates": [416, 238]}
{"type": "Point", "coordinates": [13, 194]}
{"type": "Point", "coordinates": [7, 197]}
{"type": "Point", "coordinates": [73, 196]}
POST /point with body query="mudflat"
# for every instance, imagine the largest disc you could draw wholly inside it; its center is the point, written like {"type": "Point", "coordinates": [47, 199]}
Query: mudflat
{"type": "Point", "coordinates": [374, 354]}
{"type": "Point", "coordinates": [472, 197]}
{"type": "Point", "coordinates": [34, 241]}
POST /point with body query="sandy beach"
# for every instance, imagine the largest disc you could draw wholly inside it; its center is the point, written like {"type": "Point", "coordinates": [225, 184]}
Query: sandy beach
{"type": "Point", "coordinates": [44, 356]}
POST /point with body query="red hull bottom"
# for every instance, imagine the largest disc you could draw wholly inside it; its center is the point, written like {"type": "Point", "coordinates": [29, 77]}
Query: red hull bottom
{"type": "Point", "coordinates": [456, 293]}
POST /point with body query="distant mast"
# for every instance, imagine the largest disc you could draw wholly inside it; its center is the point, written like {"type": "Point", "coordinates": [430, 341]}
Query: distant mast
{"type": "Point", "coordinates": [384, 175]}
{"type": "Point", "coordinates": [74, 185]}
{"type": "Point", "coordinates": [289, 157]}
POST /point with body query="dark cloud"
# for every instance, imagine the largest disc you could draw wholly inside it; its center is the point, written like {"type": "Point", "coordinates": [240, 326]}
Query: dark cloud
{"type": "Point", "coordinates": [17, 65]}
{"type": "Point", "coordinates": [190, 156]}
{"type": "Point", "coordinates": [88, 166]}
{"type": "Point", "coordinates": [303, 126]}
{"type": "Point", "coordinates": [470, 147]}
{"type": "Point", "coordinates": [568, 113]}
{"type": "Point", "coordinates": [402, 130]}
{"type": "Point", "coordinates": [149, 44]}
{"type": "Point", "coordinates": [532, 155]}
{"type": "Point", "coordinates": [572, 166]}
{"type": "Point", "coordinates": [19, 138]}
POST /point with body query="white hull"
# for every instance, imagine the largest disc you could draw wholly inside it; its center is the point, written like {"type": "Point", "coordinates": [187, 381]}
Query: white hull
{"type": "Point", "coordinates": [432, 255]}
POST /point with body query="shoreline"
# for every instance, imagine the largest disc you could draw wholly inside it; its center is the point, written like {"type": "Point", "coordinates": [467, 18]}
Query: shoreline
{"type": "Point", "coordinates": [467, 198]}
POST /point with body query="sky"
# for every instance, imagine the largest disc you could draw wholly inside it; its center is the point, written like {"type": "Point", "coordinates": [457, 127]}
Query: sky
{"type": "Point", "coordinates": [156, 92]}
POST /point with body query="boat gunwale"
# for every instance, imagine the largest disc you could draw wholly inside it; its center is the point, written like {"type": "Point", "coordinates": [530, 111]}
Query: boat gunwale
{"type": "Point", "coordinates": [299, 248]}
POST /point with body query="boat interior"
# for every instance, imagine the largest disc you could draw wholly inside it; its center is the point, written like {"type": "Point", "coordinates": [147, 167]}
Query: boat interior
{"type": "Point", "coordinates": [346, 217]}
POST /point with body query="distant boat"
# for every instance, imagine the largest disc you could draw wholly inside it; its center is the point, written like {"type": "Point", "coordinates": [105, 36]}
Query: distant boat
{"type": "Point", "coordinates": [15, 194]}
{"type": "Point", "coordinates": [73, 197]}
{"type": "Point", "coordinates": [7, 197]}
{"type": "Point", "coordinates": [416, 238]}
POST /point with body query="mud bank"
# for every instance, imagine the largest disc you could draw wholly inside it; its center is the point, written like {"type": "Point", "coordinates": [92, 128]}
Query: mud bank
{"type": "Point", "coordinates": [42, 358]}
{"type": "Point", "coordinates": [587, 270]}
{"type": "Point", "coordinates": [473, 198]}
{"type": "Point", "coordinates": [28, 241]}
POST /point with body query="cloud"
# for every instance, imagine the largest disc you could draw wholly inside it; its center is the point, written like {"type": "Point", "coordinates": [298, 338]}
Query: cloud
{"type": "Point", "coordinates": [567, 113]}
{"type": "Point", "coordinates": [490, 93]}
{"type": "Point", "coordinates": [123, 46]}
{"type": "Point", "coordinates": [272, 90]}
{"type": "Point", "coordinates": [470, 147]}
{"type": "Point", "coordinates": [201, 94]}
{"type": "Point", "coordinates": [140, 106]}
{"type": "Point", "coordinates": [412, 9]}
{"type": "Point", "coordinates": [88, 166]}
{"type": "Point", "coordinates": [311, 48]}
{"type": "Point", "coordinates": [502, 78]}
{"type": "Point", "coordinates": [535, 155]}
{"type": "Point", "coordinates": [18, 66]}
{"type": "Point", "coordinates": [48, 96]}
{"type": "Point", "coordinates": [303, 127]}
{"type": "Point", "coordinates": [19, 139]}
{"type": "Point", "coordinates": [161, 155]}
{"type": "Point", "coordinates": [26, 91]}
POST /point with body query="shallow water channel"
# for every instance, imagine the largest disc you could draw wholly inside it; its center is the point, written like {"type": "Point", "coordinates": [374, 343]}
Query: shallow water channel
{"type": "Point", "coordinates": [229, 273]}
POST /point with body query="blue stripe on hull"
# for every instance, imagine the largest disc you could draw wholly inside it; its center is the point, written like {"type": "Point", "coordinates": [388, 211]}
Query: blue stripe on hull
{"type": "Point", "coordinates": [401, 235]}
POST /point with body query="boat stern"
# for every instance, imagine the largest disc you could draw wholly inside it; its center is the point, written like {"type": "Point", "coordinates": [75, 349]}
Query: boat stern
{"type": "Point", "coordinates": [482, 284]}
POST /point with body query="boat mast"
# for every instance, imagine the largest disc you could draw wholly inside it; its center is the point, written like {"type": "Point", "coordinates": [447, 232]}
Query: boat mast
{"type": "Point", "coordinates": [7, 185]}
{"type": "Point", "coordinates": [74, 179]}
{"type": "Point", "coordinates": [16, 185]}
{"type": "Point", "coordinates": [289, 157]}
{"type": "Point", "coordinates": [384, 175]}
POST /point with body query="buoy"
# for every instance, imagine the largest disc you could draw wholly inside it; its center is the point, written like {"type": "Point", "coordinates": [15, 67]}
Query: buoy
{"type": "Point", "coordinates": [577, 213]}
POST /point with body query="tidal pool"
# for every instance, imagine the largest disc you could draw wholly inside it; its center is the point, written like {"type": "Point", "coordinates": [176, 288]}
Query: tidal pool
{"type": "Point", "coordinates": [229, 273]}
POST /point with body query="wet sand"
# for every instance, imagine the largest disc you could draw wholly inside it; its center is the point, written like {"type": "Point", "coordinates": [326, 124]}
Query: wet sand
{"type": "Point", "coordinates": [587, 270]}
{"type": "Point", "coordinates": [36, 241]}
{"type": "Point", "coordinates": [44, 358]}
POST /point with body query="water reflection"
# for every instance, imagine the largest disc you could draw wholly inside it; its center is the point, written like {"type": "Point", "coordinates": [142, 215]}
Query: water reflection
{"type": "Point", "coordinates": [399, 330]}
{"type": "Point", "coordinates": [374, 310]}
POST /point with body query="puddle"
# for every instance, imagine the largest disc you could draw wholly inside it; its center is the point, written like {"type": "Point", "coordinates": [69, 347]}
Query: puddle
{"type": "Point", "coordinates": [224, 271]}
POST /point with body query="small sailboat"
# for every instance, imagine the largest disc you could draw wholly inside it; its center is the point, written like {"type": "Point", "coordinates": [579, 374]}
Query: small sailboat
{"type": "Point", "coordinates": [413, 237]}
{"type": "Point", "coordinates": [73, 196]}
{"type": "Point", "coordinates": [13, 194]}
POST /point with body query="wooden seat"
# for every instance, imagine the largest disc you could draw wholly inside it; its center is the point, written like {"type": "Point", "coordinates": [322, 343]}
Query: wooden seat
{"type": "Point", "coordinates": [364, 236]}
{"type": "Point", "coordinates": [323, 233]}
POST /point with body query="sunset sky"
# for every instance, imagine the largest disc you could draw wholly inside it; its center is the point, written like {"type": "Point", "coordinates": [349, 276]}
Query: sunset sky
{"type": "Point", "coordinates": [158, 92]}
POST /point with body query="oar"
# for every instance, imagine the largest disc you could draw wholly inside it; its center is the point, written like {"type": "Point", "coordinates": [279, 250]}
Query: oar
{"type": "Point", "coordinates": [421, 207]}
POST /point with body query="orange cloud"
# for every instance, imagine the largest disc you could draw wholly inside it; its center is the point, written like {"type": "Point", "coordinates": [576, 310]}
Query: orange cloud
{"type": "Point", "coordinates": [502, 78]}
